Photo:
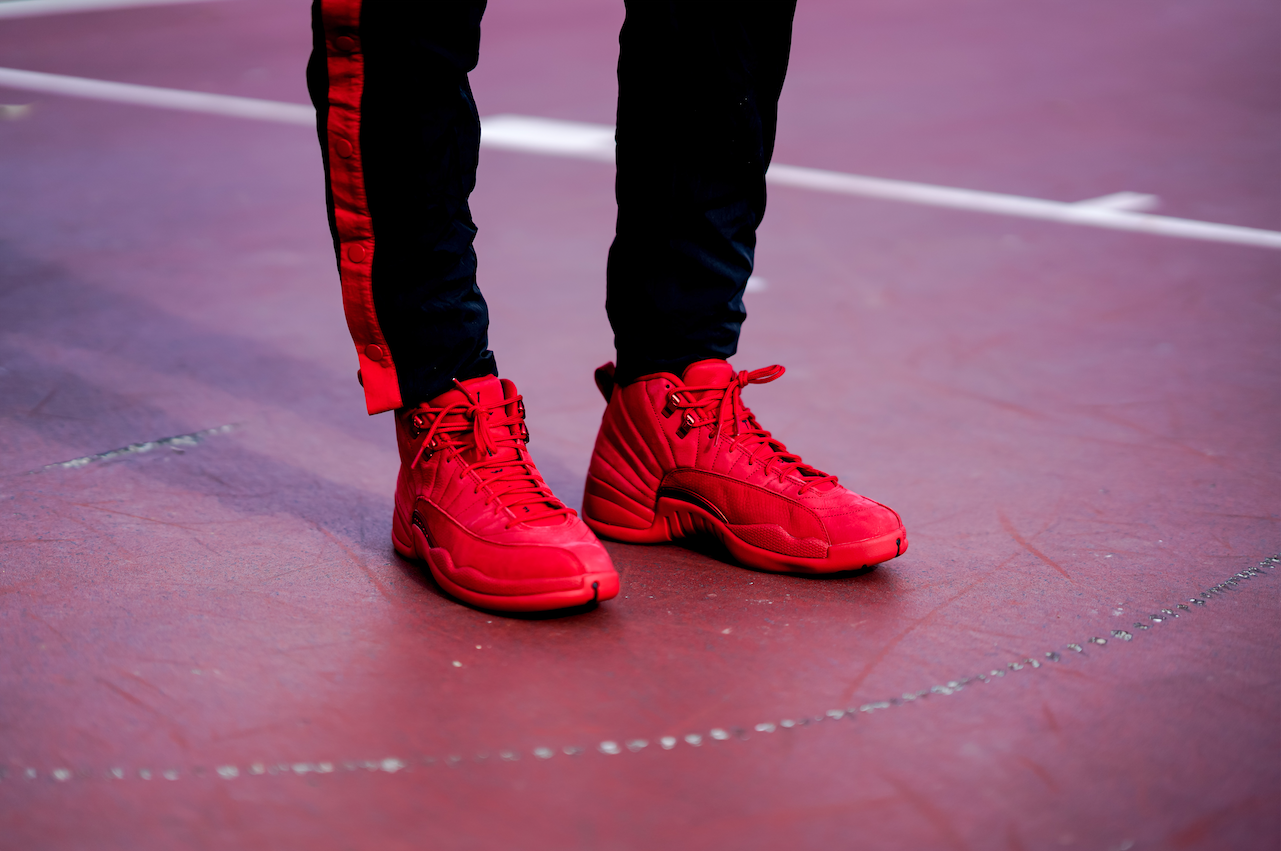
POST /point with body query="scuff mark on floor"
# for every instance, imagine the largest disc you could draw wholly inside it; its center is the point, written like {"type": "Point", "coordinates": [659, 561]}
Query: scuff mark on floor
{"type": "Point", "coordinates": [180, 441]}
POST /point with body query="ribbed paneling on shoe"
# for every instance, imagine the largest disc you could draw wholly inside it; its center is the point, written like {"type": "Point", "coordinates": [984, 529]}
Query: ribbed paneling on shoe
{"type": "Point", "coordinates": [638, 453]}
{"type": "Point", "coordinates": [628, 463]}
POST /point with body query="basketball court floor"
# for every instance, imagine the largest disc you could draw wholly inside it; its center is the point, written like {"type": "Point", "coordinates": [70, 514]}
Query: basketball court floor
{"type": "Point", "coordinates": [1021, 263]}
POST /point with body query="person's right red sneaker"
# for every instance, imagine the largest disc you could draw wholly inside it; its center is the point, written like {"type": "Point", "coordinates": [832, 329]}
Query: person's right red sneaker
{"type": "Point", "coordinates": [471, 503]}
{"type": "Point", "coordinates": [681, 456]}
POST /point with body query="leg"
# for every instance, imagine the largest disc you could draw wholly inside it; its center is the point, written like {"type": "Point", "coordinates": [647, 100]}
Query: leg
{"type": "Point", "coordinates": [679, 453]}
{"type": "Point", "coordinates": [399, 134]}
{"type": "Point", "coordinates": [698, 89]}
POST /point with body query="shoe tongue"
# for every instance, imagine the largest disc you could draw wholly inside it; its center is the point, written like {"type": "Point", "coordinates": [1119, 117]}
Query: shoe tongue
{"type": "Point", "coordinates": [486, 390]}
{"type": "Point", "coordinates": [713, 372]}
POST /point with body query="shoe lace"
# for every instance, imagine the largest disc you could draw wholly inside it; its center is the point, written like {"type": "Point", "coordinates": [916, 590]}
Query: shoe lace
{"type": "Point", "coordinates": [509, 476]}
{"type": "Point", "coordinates": [722, 405]}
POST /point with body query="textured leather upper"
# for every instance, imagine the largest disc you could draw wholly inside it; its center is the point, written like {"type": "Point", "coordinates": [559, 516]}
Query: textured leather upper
{"type": "Point", "coordinates": [481, 502]}
{"type": "Point", "coordinates": [716, 454]}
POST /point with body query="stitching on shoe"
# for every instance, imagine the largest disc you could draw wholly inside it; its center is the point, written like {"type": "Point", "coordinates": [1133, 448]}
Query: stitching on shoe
{"type": "Point", "coordinates": [657, 473]}
{"type": "Point", "coordinates": [813, 515]}
{"type": "Point", "coordinates": [621, 476]}
{"type": "Point", "coordinates": [657, 415]}
{"type": "Point", "coordinates": [640, 502]}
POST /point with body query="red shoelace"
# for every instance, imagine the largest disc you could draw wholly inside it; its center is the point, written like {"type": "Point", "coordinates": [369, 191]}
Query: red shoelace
{"type": "Point", "coordinates": [747, 433]}
{"type": "Point", "coordinates": [499, 457]}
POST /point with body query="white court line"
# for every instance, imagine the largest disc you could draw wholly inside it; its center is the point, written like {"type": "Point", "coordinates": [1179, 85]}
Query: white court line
{"type": "Point", "coordinates": [1015, 205]}
{"type": "Point", "coordinates": [595, 142]}
{"type": "Point", "coordinates": [82, 87]}
{"type": "Point", "coordinates": [1135, 202]}
{"type": "Point", "coordinates": [32, 8]}
{"type": "Point", "coordinates": [548, 136]}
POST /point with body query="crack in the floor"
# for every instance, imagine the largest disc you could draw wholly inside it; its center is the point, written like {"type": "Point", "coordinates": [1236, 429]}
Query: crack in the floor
{"type": "Point", "coordinates": [177, 442]}
{"type": "Point", "coordinates": [393, 764]}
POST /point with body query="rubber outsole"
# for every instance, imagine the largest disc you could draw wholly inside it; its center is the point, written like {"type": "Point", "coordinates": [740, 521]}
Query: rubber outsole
{"type": "Point", "coordinates": [676, 519]}
{"type": "Point", "coordinates": [410, 543]}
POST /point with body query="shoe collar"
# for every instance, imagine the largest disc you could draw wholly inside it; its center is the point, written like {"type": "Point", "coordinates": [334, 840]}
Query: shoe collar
{"type": "Point", "coordinates": [714, 373]}
{"type": "Point", "coordinates": [484, 391]}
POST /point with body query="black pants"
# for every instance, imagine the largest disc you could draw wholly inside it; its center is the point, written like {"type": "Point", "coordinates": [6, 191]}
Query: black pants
{"type": "Point", "coordinates": [698, 84]}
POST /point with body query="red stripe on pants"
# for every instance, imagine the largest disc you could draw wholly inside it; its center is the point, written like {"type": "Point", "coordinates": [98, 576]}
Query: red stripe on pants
{"type": "Point", "coordinates": [351, 208]}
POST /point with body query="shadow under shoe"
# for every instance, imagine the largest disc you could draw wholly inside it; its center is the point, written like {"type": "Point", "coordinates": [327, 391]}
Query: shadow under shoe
{"type": "Point", "coordinates": [472, 505]}
{"type": "Point", "coordinates": [680, 457]}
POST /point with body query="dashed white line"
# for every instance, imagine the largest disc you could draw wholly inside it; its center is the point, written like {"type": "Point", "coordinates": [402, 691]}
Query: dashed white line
{"type": "Point", "coordinates": [611, 747]}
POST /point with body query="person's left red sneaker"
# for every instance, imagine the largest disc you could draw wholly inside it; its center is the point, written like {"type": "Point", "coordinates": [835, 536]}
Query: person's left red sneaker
{"type": "Point", "coordinates": [681, 456]}
{"type": "Point", "coordinates": [471, 503]}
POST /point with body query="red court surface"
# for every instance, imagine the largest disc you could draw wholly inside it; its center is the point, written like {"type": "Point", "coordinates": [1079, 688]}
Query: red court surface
{"type": "Point", "coordinates": [211, 644]}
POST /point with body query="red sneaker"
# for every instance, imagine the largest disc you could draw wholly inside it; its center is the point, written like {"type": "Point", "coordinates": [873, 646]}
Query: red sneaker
{"type": "Point", "coordinates": [680, 456]}
{"type": "Point", "coordinates": [471, 503]}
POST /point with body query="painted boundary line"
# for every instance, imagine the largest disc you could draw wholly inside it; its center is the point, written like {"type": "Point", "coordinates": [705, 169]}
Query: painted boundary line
{"type": "Point", "coordinates": [596, 142]}
{"type": "Point", "coordinates": [35, 8]}
{"type": "Point", "coordinates": [1080, 213]}
{"type": "Point", "coordinates": [130, 93]}
{"type": "Point", "coordinates": [610, 747]}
